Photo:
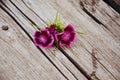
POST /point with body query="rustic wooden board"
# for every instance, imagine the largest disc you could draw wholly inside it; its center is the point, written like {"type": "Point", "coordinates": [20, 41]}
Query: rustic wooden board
{"type": "Point", "coordinates": [103, 15]}
{"type": "Point", "coordinates": [115, 4]}
{"type": "Point", "coordinates": [63, 65]}
{"type": "Point", "coordinates": [19, 58]}
{"type": "Point", "coordinates": [110, 21]}
{"type": "Point", "coordinates": [97, 37]}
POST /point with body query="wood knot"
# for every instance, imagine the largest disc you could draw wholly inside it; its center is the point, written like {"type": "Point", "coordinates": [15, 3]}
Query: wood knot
{"type": "Point", "coordinates": [5, 28]}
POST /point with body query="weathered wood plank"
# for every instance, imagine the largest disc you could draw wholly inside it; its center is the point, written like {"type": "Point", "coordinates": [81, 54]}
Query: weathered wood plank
{"type": "Point", "coordinates": [115, 4]}
{"type": "Point", "coordinates": [107, 47]}
{"type": "Point", "coordinates": [108, 17]}
{"type": "Point", "coordinates": [68, 70]}
{"type": "Point", "coordinates": [19, 58]}
{"type": "Point", "coordinates": [110, 20]}
{"type": "Point", "coordinates": [97, 46]}
{"type": "Point", "coordinates": [81, 51]}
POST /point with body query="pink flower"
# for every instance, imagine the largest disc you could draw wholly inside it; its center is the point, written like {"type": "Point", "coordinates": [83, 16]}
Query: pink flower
{"type": "Point", "coordinates": [67, 37]}
{"type": "Point", "coordinates": [51, 29]}
{"type": "Point", "coordinates": [43, 38]}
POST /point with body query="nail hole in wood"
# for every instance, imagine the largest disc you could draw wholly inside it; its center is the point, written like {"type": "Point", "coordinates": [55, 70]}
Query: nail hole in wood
{"type": "Point", "coordinates": [5, 28]}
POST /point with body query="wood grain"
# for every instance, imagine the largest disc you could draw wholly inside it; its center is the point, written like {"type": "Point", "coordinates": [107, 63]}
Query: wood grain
{"type": "Point", "coordinates": [19, 58]}
{"type": "Point", "coordinates": [96, 54]}
{"type": "Point", "coordinates": [60, 62]}
{"type": "Point", "coordinates": [97, 37]}
{"type": "Point", "coordinates": [107, 16]}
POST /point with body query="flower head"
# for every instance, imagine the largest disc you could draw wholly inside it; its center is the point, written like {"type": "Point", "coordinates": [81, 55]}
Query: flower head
{"type": "Point", "coordinates": [52, 30]}
{"type": "Point", "coordinates": [43, 38]}
{"type": "Point", "coordinates": [55, 33]}
{"type": "Point", "coordinates": [67, 37]}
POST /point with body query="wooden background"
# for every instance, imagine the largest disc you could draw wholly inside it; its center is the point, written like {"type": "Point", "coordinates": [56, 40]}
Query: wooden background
{"type": "Point", "coordinates": [94, 56]}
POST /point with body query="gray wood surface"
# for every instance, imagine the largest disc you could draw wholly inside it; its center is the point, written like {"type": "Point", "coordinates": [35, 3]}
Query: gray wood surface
{"type": "Point", "coordinates": [94, 56]}
{"type": "Point", "coordinates": [21, 60]}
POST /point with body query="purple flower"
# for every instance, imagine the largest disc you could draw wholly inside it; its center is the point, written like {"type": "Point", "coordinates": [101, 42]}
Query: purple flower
{"type": "Point", "coordinates": [43, 38]}
{"type": "Point", "coordinates": [67, 37]}
{"type": "Point", "coordinates": [52, 30]}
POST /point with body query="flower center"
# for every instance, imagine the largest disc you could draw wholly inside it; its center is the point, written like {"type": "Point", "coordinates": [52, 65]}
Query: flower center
{"type": "Point", "coordinates": [43, 39]}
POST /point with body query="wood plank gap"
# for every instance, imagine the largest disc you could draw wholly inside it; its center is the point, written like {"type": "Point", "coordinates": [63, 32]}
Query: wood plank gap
{"type": "Point", "coordinates": [112, 3]}
{"type": "Point", "coordinates": [39, 47]}
{"type": "Point", "coordinates": [20, 11]}
{"type": "Point", "coordinates": [71, 60]}
{"type": "Point", "coordinates": [50, 59]}
{"type": "Point", "coordinates": [52, 63]}
{"type": "Point", "coordinates": [31, 10]}
{"type": "Point", "coordinates": [71, 72]}
{"type": "Point", "coordinates": [113, 19]}
{"type": "Point", "coordinates": [14, 19]}
{"type": "Point", "coordinates": [31, 39]}
{"type": "Point", "coordinates": [96, 20]}
{"type": "Point", "coordinates": [94, 57]}
{"type": "Point", "coordinates": [76, 64]}
{"type": "Point", "coordinates": [20, 59]}
{"type": "Point", "coordinates": [92, 12]}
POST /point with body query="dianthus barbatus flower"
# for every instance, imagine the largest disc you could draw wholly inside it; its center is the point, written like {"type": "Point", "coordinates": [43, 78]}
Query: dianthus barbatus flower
{"type": "Point", "coordinates": [51, 29]}
{"type": "Point", "coordinates": [43, 38]}
{"type": "Point", "coordinates": [67, 37]}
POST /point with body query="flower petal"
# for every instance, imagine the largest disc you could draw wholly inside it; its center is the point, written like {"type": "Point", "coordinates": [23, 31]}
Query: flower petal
{"type": "Point", "coordinates": [65, 43]}
{"type": "Point", "coordinates": [73, 37]}
{"type": "Point", "coordinates": [69, 28]}
{"type": "Point", "coordinates": [58, 36]}
{"type": "Point", "coordinates": [37, 42]}
{"type": "Point", "coordinates": [45, 32]}
{"type": "Point", "coordinates": [52, 30]}
{"type": "Point", "coordinates": [37, 33]}
{"type": "Point", "coordinates": [66, 36]}
{"type": "Point", "coordinates": [43, 38]}
{"type": "Point", "coordinates": [49, 42]}
{"type": "Point", "coordinates": [62, 43]}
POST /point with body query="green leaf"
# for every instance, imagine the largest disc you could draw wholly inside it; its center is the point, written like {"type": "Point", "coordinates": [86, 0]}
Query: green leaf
{"type": "Point", "coordinates": [48, 24]}
{"type": "Point", "coordinates": [58, 25]}
{"type": "Point", "coordinates": [80, 33]}
{"type": "Point", "coordinates": [57, 18]}
{"type": "Point", "coordinates": [34, 25]}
